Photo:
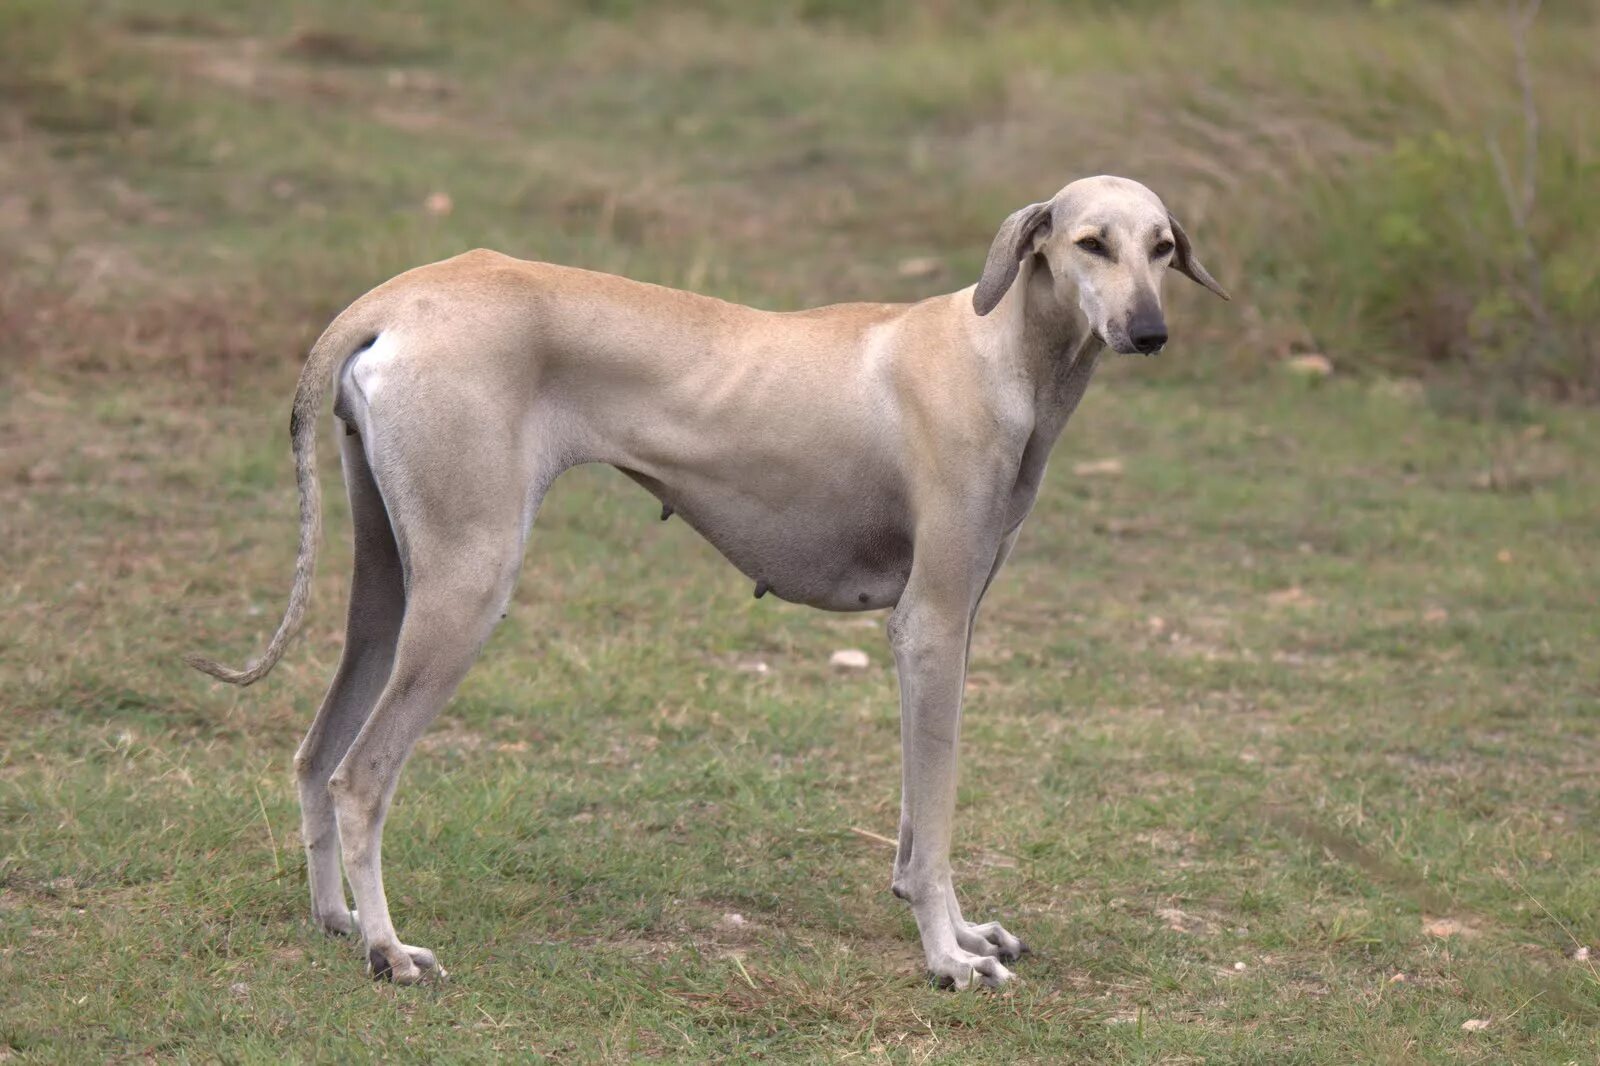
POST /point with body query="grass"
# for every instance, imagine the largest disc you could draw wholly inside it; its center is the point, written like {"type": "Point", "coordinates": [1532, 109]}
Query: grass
{"type": "Point", "coordinates": [1279, 744]}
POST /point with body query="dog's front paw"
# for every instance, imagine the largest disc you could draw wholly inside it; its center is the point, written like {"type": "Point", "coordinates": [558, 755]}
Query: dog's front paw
{"type": "Point", "coordinates": [964, 969]}
{"type": "Point", "coordinates": [404, 965]}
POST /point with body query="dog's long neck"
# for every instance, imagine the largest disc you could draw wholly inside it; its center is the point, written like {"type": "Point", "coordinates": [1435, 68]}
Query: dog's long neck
{"type": "Point", "coordinates": [1056, 350]}
{"type": "Point", "coordinates": [1047, 344]}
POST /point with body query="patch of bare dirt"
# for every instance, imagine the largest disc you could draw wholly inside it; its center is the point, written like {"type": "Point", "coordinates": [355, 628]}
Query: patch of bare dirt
{"type": "Point", "coordinates": [1448, 927]}
{"type": "Point", "coordinates": [1181, 921]}
{"type": "Point", "coordinates": [206, 338]}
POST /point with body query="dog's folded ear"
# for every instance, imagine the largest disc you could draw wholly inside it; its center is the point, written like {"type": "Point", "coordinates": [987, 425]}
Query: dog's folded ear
{"type": "Point", "coordinates": [1185, 263]}
{"type": "Point", "coordinates": [1015, 240]}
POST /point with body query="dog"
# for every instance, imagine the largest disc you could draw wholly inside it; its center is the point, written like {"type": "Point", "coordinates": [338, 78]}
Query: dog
{"type": "Point", "coordinates": [852, 457]}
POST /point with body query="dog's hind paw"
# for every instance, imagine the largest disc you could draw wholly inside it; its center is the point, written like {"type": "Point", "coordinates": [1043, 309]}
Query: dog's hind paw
{"type": "Point", "coordinates": [405, 966]}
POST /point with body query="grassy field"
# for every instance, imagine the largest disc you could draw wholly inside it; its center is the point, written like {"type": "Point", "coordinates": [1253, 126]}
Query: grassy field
{"type": "Point", "coordinates": [1282, 726]}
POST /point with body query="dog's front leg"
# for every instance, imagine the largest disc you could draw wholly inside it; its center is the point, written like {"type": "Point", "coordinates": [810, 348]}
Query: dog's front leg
{"type": "Point", "coordinates": [929, 636]}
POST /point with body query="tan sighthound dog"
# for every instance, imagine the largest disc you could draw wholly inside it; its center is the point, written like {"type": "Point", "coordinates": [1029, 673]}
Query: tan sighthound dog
{"type": "Point", "coordinates": [851, 457]}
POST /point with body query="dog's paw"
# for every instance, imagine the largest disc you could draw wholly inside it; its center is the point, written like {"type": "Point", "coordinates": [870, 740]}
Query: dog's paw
{"type": "Point", "coordinates": [964, 969]}
{"type": "Point", "coordinates": [404, 965]}
{"type": "Point", "coordinates": [338, 923]}
{"type": "Point", "coordinates": [990, 938]}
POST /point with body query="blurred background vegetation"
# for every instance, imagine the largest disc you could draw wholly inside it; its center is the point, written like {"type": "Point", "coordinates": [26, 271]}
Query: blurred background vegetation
{"type": "Point", "coordinates": [1402, 187]}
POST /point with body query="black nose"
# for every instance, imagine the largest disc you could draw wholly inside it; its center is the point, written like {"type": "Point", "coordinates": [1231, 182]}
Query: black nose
{"type": "Point", "coordinates": [1147, 339]}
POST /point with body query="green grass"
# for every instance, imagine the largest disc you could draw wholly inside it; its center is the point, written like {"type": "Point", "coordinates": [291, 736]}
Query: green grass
{"type": "Point", "coordinates": [1308, 687]}
{"type": "Point", "coordinates": [1275, 677]}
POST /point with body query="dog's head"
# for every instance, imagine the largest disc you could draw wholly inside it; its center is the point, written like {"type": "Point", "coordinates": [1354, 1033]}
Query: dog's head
{"type": "Point", "coordinates": [1107, 242]}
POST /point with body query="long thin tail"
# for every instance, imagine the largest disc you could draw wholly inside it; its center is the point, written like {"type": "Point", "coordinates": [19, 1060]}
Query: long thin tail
{"type": "Point", "coordinates": [340, 339]}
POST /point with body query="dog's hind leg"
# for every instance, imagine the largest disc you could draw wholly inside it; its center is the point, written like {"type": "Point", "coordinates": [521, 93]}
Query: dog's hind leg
{"type": "Point", "coordinates": [460, 514]}
{"type": "Point", "coordinates": [377, 604]}
{"type": "Point", "coordinates": [452, 606]}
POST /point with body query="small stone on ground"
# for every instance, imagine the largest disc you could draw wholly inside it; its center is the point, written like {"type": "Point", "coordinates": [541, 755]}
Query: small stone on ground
{"type": "Point", "coordinates": [1098, 468]}
{"type": "Point", "coordinates": [849, 659]}
{"type": "Point", "coordinates": [1312, 365]}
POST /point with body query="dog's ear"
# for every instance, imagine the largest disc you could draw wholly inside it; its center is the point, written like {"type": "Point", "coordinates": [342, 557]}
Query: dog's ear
{"type": "Point", "coordinates": [1015, 240]}
{"type": "Point", "coordinates": [1185, 263]}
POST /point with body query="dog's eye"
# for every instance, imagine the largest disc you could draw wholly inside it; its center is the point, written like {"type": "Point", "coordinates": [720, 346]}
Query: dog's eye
{"type": "Point", "coordinates": [1092, 244]}
{"type": "Point", "coordinates": [1162, 249]}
